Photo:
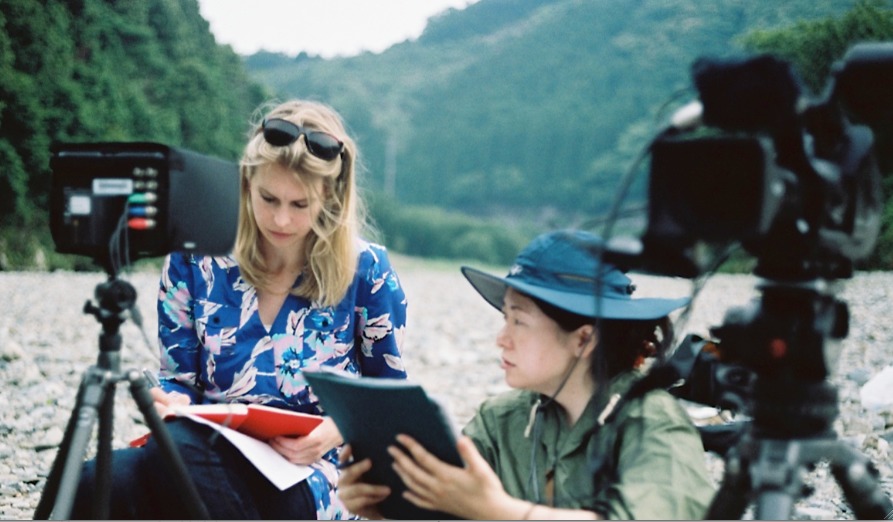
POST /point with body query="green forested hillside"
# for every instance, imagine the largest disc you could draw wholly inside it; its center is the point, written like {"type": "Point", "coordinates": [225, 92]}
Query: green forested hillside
{"type": "Point", "coordinates": [95, 70]}
{"type": "Point", "coordinates": [525, 112]}
{"type": "Point", "coordinates": [526, 108]}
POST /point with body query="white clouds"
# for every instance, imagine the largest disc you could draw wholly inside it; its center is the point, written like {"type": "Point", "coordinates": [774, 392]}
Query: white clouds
{"type": "Point", "coordinates": [319, 27]}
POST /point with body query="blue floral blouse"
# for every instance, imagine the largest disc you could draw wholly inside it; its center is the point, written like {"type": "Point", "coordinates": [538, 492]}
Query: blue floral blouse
{"type": "Point", "coordinates": [215, 348]}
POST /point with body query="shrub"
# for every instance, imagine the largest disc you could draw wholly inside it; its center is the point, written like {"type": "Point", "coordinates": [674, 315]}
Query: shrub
{"type": "Point", "coordinates": [435, 233]}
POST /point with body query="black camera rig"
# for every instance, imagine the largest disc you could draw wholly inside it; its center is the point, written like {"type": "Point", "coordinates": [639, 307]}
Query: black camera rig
{"type": "Point", "coordinates": [796, 183]}
{"type": "Point", "coordinates": [119, 202]}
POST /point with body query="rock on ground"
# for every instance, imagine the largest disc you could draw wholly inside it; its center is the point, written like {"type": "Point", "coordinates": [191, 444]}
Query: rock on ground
{"type": "Point", "coordinates": [47, 343]}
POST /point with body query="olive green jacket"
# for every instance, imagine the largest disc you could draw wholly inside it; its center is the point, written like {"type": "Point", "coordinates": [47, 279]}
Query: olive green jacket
{"type": "Point", "coordinates": [651, 463]}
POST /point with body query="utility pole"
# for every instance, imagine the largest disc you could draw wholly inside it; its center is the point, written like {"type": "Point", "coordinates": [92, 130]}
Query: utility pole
{"type": "Point", "coordinates": [390, 166]}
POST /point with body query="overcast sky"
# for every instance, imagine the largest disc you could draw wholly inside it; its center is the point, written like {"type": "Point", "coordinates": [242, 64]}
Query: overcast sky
{"type": "Point", "coordinates": [327, 28]}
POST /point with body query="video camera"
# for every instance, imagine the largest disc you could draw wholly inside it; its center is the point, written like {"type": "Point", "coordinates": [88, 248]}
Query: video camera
{"type": "Point", "coordinates": [135, 200]}
{"type": "Point", "coordinates": [792, 180]}
{"type": "Point", "coordinates": [797, 185]}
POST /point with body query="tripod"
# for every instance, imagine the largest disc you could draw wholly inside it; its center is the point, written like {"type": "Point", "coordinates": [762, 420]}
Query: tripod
{"type": "Point", "coordinates": [793, 409]}
{"type": "Point", "coordinates": [95, 401]}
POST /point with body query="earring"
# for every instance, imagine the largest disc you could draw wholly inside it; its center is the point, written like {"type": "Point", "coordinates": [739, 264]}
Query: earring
{"type": "Point", "coordinates": [649, 349]}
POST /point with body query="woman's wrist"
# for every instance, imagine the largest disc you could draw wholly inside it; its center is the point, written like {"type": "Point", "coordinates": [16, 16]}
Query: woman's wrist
{"type": "Point", "coordinates": [510, 508]}
{"type": "Point", "coordinates": [528, 511]}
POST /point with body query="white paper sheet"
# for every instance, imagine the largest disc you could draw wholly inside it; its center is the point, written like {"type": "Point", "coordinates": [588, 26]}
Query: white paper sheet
{"type": "Point", "coordinates": [282, 473]}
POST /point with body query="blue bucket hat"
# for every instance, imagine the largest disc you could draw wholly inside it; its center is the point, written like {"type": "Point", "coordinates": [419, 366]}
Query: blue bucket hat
{"type": "Point", "coordinates": [560, 268]}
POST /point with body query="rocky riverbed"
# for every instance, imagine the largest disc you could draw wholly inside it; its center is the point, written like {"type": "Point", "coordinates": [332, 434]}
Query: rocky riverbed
{"type": "Point", "coordinates": [47, 342]}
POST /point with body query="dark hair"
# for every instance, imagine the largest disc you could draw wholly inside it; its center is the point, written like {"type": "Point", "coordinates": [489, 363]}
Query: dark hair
{"type": "Point", "coordinates": [622, 343]}
{"type": "Point", "coordinates": [568, 321]}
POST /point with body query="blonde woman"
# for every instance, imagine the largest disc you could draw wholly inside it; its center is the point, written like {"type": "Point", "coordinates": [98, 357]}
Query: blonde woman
{"type": "Point", "coordinates": [302, 290]}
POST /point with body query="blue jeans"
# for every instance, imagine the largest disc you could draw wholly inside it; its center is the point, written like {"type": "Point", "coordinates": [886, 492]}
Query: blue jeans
{"type": "Point", "coordinates": [230, 486]}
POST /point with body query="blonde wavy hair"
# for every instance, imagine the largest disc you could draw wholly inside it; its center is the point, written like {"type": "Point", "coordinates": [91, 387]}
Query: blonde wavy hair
{"type": "Point", "coordinates": [330, 250]}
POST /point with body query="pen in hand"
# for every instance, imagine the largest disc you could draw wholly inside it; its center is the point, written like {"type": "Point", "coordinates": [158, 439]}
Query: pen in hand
{"type": "Point", "coordinates": [153, 381]}
{"type": "Point", "coordinates": [152, 378]}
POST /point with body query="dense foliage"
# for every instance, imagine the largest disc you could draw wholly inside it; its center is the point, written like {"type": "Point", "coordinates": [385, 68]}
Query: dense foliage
{"type": "Point", "coordinates": [433, 232]}
{"type": "Point", "coordinates": [531, 111]}
{"type": "Point", "coordinates": [526, 108]}
{"type": "Point", "coordinates": [102, 70]}
{"type": "Point", "coordinates": [519, 112]}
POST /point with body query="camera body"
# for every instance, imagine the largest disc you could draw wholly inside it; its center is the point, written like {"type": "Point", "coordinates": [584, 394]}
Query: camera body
{"type": "Point", "coordinates": [796, 183]}
{"type": "Point", "coordinates": [142, 199]}
{"type": "Point", "coordinates": [793, 181]}
{"type": "Point", "coordinates": [712, 189]}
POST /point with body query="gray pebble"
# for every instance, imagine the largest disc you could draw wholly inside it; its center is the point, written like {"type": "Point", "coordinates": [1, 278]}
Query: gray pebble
{"type": "Point", "coordinates": [449, 346]}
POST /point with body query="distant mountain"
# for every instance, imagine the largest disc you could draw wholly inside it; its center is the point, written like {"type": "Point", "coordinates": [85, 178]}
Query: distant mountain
{"type": "Point", "coordinates": [520, 107]}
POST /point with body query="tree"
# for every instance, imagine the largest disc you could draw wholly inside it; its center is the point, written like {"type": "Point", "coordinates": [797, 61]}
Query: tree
{"type": "Point", "coordinates": [108, 70]}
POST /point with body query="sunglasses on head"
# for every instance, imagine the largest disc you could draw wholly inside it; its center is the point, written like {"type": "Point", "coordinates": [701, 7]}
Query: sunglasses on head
{"type": "Point", "coordinates": [279, 133]}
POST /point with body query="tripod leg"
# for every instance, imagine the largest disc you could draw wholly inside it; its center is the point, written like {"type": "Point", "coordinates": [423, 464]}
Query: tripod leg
{"type": "Point", "coordinates": [858, 478]}
{"type": "Point", "coordinates": [777, 478]}
{"type": "Point", "coordinates": [48, 496]}
{"type": "Point", "coordinates": [140, 391]}
{"type": "Point", "coordinates": [774, 505]}
{"type": "Point", "coordinates": [103, 487]}
{"type": "Point", "coordinates": [731, 499]}
{"type": "Point", "coordinates": [63, 480]}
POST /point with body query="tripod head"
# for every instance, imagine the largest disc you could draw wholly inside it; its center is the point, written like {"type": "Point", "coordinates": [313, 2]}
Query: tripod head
{"type": "Point", "coordinates": [115, 299]}
{"type": "Point", "coordinates": [789, 340]}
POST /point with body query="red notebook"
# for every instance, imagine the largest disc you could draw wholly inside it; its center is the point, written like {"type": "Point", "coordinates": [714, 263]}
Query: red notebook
{"type": "Point", "coordinates": [258, 421]}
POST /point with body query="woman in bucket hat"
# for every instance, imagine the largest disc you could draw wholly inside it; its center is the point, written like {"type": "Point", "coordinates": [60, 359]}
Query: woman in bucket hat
{"type": "Point", "coordinates": [571, 440]}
